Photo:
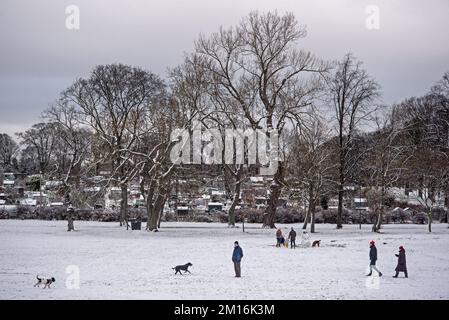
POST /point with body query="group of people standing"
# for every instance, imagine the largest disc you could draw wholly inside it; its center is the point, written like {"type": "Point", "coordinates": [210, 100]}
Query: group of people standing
{"type": "Point", "coordinates": [400, 267]}
{"type": "Point", "coordinates": [237, 255]}
{"type": "Point", "coordinates": [280, 239]}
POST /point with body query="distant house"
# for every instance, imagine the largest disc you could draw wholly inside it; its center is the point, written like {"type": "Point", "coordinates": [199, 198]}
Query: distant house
{"type": "Point", "coordinates": [361, 204]}
{"type": "Point", "coordinates": [182, 210]}
{"type": "Point", "coordinates": [214, 206]}
{"type": "Point", "coordinates": [53, 184]}
{"type": "Point", "coordinates": [2, 198]}
{"type": "Point", "coordinates": [8, 180]}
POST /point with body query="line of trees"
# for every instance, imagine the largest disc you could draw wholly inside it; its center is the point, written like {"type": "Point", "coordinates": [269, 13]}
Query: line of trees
{"type": "Point", "coordinates": [252, 75]}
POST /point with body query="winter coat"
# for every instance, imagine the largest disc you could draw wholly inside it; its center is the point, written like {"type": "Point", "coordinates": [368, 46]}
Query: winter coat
{"type": "Point", "coordinates": [292, 235]}
{"type": "Point", "coordinates": [237, 255]}
{"type": "Point", "coordinates": [373, 254]}
{"type": "Point", "coordinates": [402, 266]}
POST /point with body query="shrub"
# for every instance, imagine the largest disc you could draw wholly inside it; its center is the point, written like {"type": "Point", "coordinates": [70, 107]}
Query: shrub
{"type": "Point", "coordinates": [202, 218]}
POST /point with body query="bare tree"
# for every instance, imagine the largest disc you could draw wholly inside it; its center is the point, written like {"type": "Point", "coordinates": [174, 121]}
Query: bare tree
{"type": "Point", "coordinates": [198, 91]}
{"type": "Point", "coordinates": [76, 142]}
{"type": "Point", "coordinates": [40, 140]}
{"type": "Point", "coordinates": [386, 160]}
{"type": "Point", "coordinates": [257, 66]}
{"type": "Point", "coordinates": [310, 166]}
{"type": "Point", "coordinates": [352, 93]}
{"type": "Point", "coordinates": [111, 101]}
{"type": "Point", "coordinates": [434, 170]}
{"type": "Point", "coordinates": [8, 151]}
{"type": "Point", "coordinates": [426, 118]}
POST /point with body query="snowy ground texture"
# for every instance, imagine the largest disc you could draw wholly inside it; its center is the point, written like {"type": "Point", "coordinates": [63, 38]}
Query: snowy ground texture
{"type": "Point", "coordinates": [119, 264]}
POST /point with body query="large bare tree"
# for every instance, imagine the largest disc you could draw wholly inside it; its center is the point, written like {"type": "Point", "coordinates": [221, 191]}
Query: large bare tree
{"type": "Point", "coordinates": [352, 94]}
{"type": "Point", "coordinates": [112, 102]}
{"type": "Point", "coordinates": [8, 151]}
{"type": "Point", "coordinates": [258, 67]}
{"type": "Point", "coordinates": [310, 165]}
{"type": "Point", "coordinates": [40, 141]}
{"type": "Point", "coordinates": [75, 140]}
{"type": "Point", "coordinates": [386, 160]}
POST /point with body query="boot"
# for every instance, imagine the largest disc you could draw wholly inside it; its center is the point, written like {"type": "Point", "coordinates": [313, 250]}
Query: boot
{"type": "Point", "coordinates": [380, 274]}
{"type": "Point", "coordinates": [369, 274]}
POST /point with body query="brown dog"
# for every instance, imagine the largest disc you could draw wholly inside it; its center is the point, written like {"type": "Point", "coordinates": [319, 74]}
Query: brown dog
{"type": "Point", "coordinates": [316, 243]}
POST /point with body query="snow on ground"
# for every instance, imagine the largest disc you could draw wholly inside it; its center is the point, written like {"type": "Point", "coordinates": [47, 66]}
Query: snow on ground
{"type": "Point", "coordinates": [119, 264]}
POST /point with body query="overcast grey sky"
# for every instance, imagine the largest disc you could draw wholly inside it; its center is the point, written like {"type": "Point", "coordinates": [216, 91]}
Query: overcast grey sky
{"type": "Point", "coordinates": [39, 56]}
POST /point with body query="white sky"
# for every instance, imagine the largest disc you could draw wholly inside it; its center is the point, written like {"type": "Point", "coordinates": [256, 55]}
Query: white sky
{"type": "Point", "coordinates": [39, 57]}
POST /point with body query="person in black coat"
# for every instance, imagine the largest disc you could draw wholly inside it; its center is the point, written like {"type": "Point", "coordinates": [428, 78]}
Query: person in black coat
{"type": "Point", "coordinates": [292, 237]}
{"type": "Point", "coordinates": [402, 265]}
{"type": "Point", "coordinates": [373, 259]}
{"type": "Point", "coordinates": [70, 214]}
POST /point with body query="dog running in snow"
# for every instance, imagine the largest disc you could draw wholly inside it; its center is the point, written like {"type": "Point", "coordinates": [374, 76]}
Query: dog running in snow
{"type": "Point", "coordinates": [44, 281]}
{"type": "Point", "coordinates": [316, 243]}
{"type": "Point", "coordinates": [183, 267]}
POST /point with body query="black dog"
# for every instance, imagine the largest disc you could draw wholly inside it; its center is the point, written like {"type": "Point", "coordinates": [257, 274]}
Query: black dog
{"type": "Point", "coordinates": [184, 268]}
{"type": "Point", "coordinates": [45, 281]}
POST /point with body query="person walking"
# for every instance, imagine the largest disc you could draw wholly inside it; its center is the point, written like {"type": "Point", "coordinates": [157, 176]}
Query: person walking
{"type": "Point", "coordinates": [70, 213]}
{"type": "Point", "coordinates": [292, 238]}
{"type": "Point", "coordinates": [402, 265]}
{"type": "Point", "coordinates": [237, 256]}
{"type": "Point", "coordinates": [373, 259]}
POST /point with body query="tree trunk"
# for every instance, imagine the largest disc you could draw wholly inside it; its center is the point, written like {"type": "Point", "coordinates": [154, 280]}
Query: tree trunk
{"type": "Point", "coordinates": [312, 219]}
{"type": "Point", "coordinates": [157, 207]}
{"type": "Point", "coordinates": [149, 207]}
{"type": "Point", "coordinates": [446, 204]}
{"type": "Point", "coordinates": [306, 220]}
{"type": "Point", "coordinates": [381, 210]}
{"type": "Point", "coordinates": [276, 188]}
{"type": "Point", "coordinates": [236, 199]}
{"type": "Point", "coordinates": [124, 205]}
{"type": "Point", "coordinates": [429, 221]}
{"type": "Point", "coordinates": [378, 223]}
{"type": "Point", "coordinates": [153, 215]}
{"type": "Point", "coordinates": [340, 206]}
{"type": "Point", "coordinates": [341, 173]}
{"type": "Point", "coordinates": [162, 208]}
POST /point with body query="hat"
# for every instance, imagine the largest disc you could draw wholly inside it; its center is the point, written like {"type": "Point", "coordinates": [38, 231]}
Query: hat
{"type": "Point", "coordinates": [372, 242]}
{"type": "Point", "coordinates": [236, 242]}
{"type": "Point", "coordinates": [401, 248]}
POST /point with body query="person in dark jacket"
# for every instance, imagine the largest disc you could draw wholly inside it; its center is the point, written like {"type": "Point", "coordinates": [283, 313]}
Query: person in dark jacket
{"type": "Point", "coordinates": [292, 237]}
{"type": "Point", "coordinates": [70, 213]}
{"type": "Point", "coordinates": [237, 256]}
{"type": "Point", "coordinates": [402, 265]}
{"type": "Point", "coordinates": [373, 259]}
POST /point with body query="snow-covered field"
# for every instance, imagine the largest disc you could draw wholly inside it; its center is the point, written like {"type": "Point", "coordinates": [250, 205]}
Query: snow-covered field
{"type": "Point", "coordinates": [118, 264]}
